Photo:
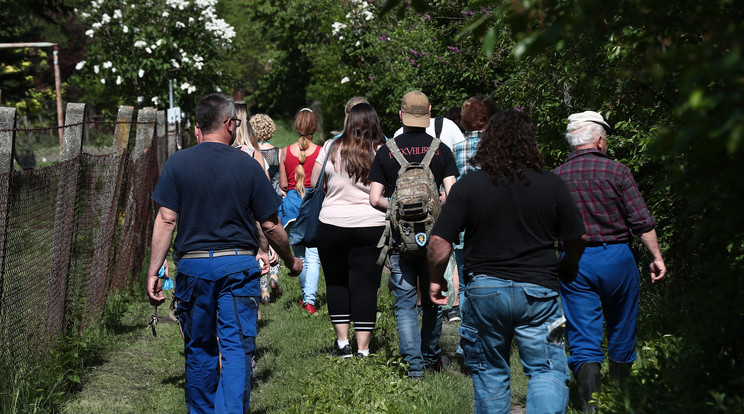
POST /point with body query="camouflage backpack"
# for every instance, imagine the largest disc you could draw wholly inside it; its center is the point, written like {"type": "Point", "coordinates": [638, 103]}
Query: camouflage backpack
{"type": "Point", "coordinates": [414, 205]}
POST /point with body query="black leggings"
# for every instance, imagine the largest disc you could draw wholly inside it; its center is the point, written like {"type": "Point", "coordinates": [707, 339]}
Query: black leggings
{"type": "Point", "coordinates": [348, 257]}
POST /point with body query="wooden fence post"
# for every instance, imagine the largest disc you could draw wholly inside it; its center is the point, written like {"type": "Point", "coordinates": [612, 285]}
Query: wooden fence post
{"type": "Point", "coordinates": [161, 135]}
{"type": "Point", "coordinates": [145, 132]}
{"type": "Point", "coordinates": [7, 144]}
{"type": "Point", "coordinates": [172, 138]}
{"type": "Point", "coordinates": [63, 220]}
{"type": "Point", "coordinates": [100, 276]}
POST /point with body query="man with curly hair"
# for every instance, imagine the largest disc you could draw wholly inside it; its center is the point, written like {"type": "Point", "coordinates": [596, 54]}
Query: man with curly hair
{"type": "Point", "coordinates": [512, 211]}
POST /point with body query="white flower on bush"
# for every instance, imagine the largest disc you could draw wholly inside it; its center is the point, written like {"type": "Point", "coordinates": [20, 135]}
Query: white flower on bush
{"type": "Point", "coordinates": [96, 25]}
{"type": "Point", "coordinates": [140, 99]}
{"type": "Point", "coordinates": [177, 4]}
{"type": "Point", "coordinates": [84, 15]}
{"type": "Point", "coordinates": [105, 18]}
{"type": "Point", "coordinates": [107, 64]}
{"type": "Point", "coordinates": [198, 65]}
{"type": "Point", "coordinates": [175, 64]}
{"type": "Point", "coordinates": [221, 29]}
{"type": "Point", "coordinates": [191, 89]}
{"type": "Point", "coordinates": [191, 20]}
{"type": "Point", "coordinates": [117, 14]}
{"type": "Point", "coordinates": [113, 70]}
{"type": "Point", "coordinates": [166, 14]}
{"type": "Point", "coordinates": [141, 73]}
{"type": "Point", "coordinates": [159, 42]}
{"type": "Point", "coordinates": [118, 80]}
{"type": "Point", "coordinates": [125, 29]}
{"type": "Point", "coordinates": [148, 50]}
{"type": "Point", "coordinates": [206, 3]}
{"type": "Point", "coordinates": [89, 32]}
{"type": "Point", "coordinates": [337, 26]}
{"type": "Point", "coordinates": [345, 80]}
{"type": "Point", "coordinates": [140, 44]}
{"type": "Point", "coordinates": [103, 81]}
{"type": "Point", "coordinates": [80, 65]}
{"type": "Point", "coordinates": [154, 100]}
{"type": "Point", "coordinates": [185, 86]}
{"type": "Point", "coordinates": [180, 25]}
{"type": "Point", "coordinates": [96, 69]}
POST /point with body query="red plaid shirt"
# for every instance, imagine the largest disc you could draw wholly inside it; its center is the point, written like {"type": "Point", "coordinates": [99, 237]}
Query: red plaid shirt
{"type": "Point", "coordinates": [607, 196]}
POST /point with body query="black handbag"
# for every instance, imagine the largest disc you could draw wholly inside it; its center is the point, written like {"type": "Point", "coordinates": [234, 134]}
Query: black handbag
{"type": "Point", "coordinates": [304, 228]}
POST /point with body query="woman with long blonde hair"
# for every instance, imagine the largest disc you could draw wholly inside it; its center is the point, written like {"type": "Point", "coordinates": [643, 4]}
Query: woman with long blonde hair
{"type": "Point", "coordinates": [295, 169]}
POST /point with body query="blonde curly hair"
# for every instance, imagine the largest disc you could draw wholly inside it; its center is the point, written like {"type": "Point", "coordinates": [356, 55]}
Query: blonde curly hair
{"type": "Point", "coordinates": [263, 127]}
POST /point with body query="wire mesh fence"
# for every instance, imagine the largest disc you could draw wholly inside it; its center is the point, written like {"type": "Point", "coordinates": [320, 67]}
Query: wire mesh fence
{"type": "Point", "coordinates": [70, 234]}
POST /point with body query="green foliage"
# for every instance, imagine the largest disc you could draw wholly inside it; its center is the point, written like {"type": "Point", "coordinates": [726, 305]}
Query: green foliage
{"type": "Point", "coordinates": [44, 384]}
{"type": "Point", "coordinates": [137, 47]}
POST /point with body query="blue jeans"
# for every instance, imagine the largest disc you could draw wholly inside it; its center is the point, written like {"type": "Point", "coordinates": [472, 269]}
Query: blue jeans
{"type": "Point", "coordinates": [497, 310]}
{"type": "Point", "coordinates": [213, 304]}
{"type": "Point", "coordinates": [419, 349]}
{"type": "Point", "coordinates": [605, 290]}
{"type": "Point", "coordinates": [310, 272]}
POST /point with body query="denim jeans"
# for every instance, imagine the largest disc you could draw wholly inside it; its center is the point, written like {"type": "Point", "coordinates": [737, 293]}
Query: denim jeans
{"type": "Point", "coordinates": [495, 311]}
{"type": "Point", "coordinates": [310, 272]}
{"type": "Point", "coordinates": [418, 348]}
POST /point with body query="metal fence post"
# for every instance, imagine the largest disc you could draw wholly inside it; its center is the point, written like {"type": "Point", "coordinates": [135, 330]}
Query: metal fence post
{"type": "Point", "coordinates": [63, 220]}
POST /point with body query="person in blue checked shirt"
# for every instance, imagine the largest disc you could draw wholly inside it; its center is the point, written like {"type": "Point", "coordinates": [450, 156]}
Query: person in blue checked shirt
{"type": "Point", "coordinates": [226, 213]}
{"type": "Point", "coordinates": [607, 286]}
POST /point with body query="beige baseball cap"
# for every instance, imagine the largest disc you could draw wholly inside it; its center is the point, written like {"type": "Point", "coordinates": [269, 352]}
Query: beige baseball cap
{"type": "Point", "coordinates": [582, 119]}
{"type": "Point", "coordinates": [414, 109]}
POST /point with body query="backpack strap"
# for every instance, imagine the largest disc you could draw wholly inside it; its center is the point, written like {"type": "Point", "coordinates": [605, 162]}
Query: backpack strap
{"type": "Point", "coordinates": [430, 154]}
{"type": "Point", "coordinates": [438, 123]}
{"type": "Point", "coordinates": [395, 151]}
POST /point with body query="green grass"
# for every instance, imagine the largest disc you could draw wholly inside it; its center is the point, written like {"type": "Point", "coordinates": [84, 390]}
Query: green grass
{"type": "Point", "coordinates": [295, 373]}
{"type": "Point", "coordinates": [119, 367]}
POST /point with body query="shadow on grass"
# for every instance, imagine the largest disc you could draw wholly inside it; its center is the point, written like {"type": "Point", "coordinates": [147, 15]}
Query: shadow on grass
{"type": "Point", "coordinates": [179, 380]}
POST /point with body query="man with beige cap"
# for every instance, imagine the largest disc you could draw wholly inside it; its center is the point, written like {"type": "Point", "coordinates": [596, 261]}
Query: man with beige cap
{"type": "Point", "coordinates": [608, 280]}
{"type": "Point", "coordinates": [420, 349]}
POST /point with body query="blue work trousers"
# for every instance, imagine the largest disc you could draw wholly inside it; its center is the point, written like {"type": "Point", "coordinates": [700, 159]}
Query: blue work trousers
{"type": "Point", "coordinates": [211, 306]}
{"type": "Point", "coordinates": [605, 290]}
{"type": "Point", "coordinates": [494, 312]}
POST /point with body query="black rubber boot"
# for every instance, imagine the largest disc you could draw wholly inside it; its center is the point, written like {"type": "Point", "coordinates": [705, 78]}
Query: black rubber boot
{"type": "Point", "coordinates": [587, 378]}
{"type": "Point", "coordinates": [620, 371]}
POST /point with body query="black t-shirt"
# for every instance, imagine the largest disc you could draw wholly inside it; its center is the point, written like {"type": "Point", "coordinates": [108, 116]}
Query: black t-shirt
{"type": "Point", "coordinates": [413, 146]}
{"type": "Point", "coordinates": [511, 228]}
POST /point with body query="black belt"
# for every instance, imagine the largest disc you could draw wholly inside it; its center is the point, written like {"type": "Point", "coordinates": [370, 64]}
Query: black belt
{"type": "Point", "coordinates": [597, 244]}
{"type": "Point", "coordinates": [204, 254]}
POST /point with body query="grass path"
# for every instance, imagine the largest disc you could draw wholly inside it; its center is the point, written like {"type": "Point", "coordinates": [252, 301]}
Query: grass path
{"type": "Point", "coordinates": [295, 372]}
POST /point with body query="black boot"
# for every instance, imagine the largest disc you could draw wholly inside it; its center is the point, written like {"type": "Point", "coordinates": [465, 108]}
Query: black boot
{"type": "Point", "coordinates": [587, 378]}
{"type": "Point", "coordinates": [620, 371]}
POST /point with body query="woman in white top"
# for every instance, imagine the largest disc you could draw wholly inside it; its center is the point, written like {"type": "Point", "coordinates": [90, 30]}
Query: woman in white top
{"type": "Point", "coordinates": [350, 228]}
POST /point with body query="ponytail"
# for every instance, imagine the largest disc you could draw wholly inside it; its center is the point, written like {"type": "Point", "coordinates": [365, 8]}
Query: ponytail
{"type": "Point", "coordinates": [303, 144]}
{"type": "Point", "coordinates": [306, 123]}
